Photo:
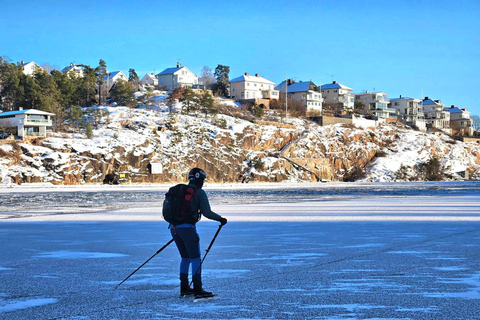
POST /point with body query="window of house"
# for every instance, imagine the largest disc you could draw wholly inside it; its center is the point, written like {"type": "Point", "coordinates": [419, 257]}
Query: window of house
{"type": "Point", "coordinates": [254, 84]}
{"type": "Point", "coordinates": [248, 84]}
{"type": "Point", "coordinates": [335, 90]}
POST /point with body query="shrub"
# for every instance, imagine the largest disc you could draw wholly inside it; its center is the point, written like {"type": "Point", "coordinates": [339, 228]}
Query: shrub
{"type": "Point", "coordinates": [380, 154]}
{"type": "Point", "coordinates": [257, 111]}
{"type": "Point", "coordinates": [402, 173]}
{"type": "Point", "coordinates": [220, 122]}
{"type": "Point", "coordinates": [89, 130]}
{"type": "Point", "coordinates": [355, 173]}
{"type": "Point", "coordinates": [257, 164]}
{"type": "Point", "coordinates": [431, 170]}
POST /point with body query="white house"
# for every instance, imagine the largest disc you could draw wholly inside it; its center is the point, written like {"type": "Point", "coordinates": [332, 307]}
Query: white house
{"type": "Point", "coordinates": [74, 70]}
{"type": "Point", "coordinates": [337, 93]}
{"type": "Point", "coordinates": [410, 111]}
{"type": "Point", "coordinates": [114, 77]}
{"type": "Point", "coordinates": [25, 123]}
{"type": "Point", "coordinates": [180, 76]}
{"type": "Point", "coordinates": [376, 103]}
{"type": "Point", "coordinates": [29, 68]}
{"type": "Point", "coordinates": [306, 92]}
{"type": "Point", "coordinates": [435, 116]}
{"type": "Point", "coordinates": [253, 88]}
{"type": "Point", "coordinates": [149, 79]}
{"type": "Point", "coordinates": [460, 121]}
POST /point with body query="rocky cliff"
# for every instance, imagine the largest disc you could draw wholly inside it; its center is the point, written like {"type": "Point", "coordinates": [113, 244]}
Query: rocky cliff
{"type": "Point", "coordinates": [232, 150]}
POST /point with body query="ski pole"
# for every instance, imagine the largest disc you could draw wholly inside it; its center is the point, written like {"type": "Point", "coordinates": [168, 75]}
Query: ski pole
{"type": "Point", "coordinates": [131, 274]}
{"type": "Point", "coordinates": [206, 252]}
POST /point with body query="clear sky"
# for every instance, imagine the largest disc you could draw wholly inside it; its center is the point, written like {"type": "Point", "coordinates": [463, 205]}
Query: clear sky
{"type": "Point", "coordinates": [400, 47]}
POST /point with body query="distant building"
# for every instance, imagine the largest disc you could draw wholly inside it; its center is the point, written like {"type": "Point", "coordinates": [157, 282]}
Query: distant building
{"type": "Point", "coordinates": [114, 77]}
{"type": "Point", "coordinates": [177, 77]}
{"type": "Point", "coordinates": [409, 111]}
{"type": "Point", "coordinates": [306, 92]}
{"type": "Point", "coordinates": [336, 93]}
{"type": "Point", "coordinates": [149, 79]}
{"type": "Point", "coordinates": [460, 121]}
{"type": "Point", "coordinates": [254, 89]}
{"type": "Point", "coordinates": [25, 123]}
{"type": "Point", "coordinates": [73, 69]}
{"type": "Point", "coordinates": [29, 68]}
{"type": "Point", "coordinates": [435, 115]}
{"type": "Point", "coordinates": [376, 103]}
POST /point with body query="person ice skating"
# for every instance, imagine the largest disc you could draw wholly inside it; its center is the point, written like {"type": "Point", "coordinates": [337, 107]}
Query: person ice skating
{"type": "Point", "coordinates": [187, 239]}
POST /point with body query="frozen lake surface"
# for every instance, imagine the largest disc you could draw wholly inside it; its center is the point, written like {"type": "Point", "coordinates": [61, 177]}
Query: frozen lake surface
{"type": "Point", "coordinates": [333, 251]}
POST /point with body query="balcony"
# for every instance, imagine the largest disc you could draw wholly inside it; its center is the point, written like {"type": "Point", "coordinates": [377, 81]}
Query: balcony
{"type": "Point", "coordinates": [33, 134]}
{"type": "Point", "coordinates": [36, 122]}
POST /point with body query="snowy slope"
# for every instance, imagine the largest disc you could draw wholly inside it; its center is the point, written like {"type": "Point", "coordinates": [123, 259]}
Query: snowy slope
{"type": "Point", "coordinates": [230, 149]}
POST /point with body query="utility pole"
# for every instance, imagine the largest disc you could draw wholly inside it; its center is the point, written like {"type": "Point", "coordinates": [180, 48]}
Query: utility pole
{"type": "Point", "coordinates": [286, 97]}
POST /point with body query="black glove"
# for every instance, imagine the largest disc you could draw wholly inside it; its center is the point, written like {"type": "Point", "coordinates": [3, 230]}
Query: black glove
{"type": "Point", "coordinates": [223, 221]}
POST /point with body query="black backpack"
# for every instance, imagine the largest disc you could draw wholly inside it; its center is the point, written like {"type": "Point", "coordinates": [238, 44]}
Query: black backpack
{"type": "Point", "coordinates": [176, 206]}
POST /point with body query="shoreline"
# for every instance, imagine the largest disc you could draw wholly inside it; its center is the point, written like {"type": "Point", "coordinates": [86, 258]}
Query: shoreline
{"type": "Point", "coordinates": [41, 187]}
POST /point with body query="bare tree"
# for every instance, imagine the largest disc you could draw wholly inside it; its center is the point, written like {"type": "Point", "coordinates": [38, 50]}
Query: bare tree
{"type": "Point", "coordinates": [207, 78]}
{"type": "Point", "coordinates": [476, 122]}
{"type": "Point", "coordinates": [332, 108]}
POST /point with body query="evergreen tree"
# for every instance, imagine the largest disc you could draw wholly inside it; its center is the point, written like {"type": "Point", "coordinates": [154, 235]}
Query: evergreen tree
{"type": "Point", "coordinates": [75, 115]}
{"type": "Point", "coordinates": [101, 76]}
{"type": "Point", "coordinates": [207, 105]}
{"type": "Point", "coordinates": [85, 87]}
{"type": "Point", "coordinates": [133, 79]}
{"type": "Point", "coordinates": [50, 97]}
{"type": "Point", "coordinates": [10, 92]}
{"type": "Point", "coordinates": [221, 86]}
{"type": "Point", "coordinates": [123, 94]}
{"type": "Point", "coordinates": [188, 98]}
{"type": "Point", "coordinates": [66, 86]}
{"type": "Point", "coordinates": [89, 130]}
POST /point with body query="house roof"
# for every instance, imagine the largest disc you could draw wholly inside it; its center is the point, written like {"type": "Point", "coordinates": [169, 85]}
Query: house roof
{"type": "Point", "coordinates": [113, 74]}
{"type": "Point", "coordinates": [430, 102]}
{"type": "Point", "coordinates": [169, 71]}
{"type": "Point", "coordinates": [70, 67]}
{"type": "Point", "coordinates": [297, 86]}
{"type": "Point", "coordinates": [150, 75]}
{"type": "Point", "coordinates": [249, 78]}
{"type": "Point", "coordinates": [455, 110]}
{"type": "Point", "coordinates": [403, 98]}
{"type": "Point", "coordinates": [335, 85]}
{"type": "Point", "coordinates": [26, 111]}
{"type": "Point", "coordinates": [25, 63]}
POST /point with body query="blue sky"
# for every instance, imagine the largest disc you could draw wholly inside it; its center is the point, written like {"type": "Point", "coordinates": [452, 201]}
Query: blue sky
{"type": "Point", "coordinates": [399, 47]}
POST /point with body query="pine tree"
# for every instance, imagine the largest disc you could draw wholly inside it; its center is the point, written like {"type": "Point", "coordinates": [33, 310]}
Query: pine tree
{"type": "Point", "coordinates": [101, 76]}
{"type": "Point", "coordinates": [188, 98]}
{"type": "Point", "coordinates": [89, 130]}
{"type": "Point", "coordinates": [207, 105]}
{"type": "Point", "coordinates": [221, 86]}
{"type": "Point", "coordinates": [133, 79]}
{"type": "Point", "coordinates": [123, 94]}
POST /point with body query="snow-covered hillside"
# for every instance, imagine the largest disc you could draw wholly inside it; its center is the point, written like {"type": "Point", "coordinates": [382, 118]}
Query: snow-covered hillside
{"type": "Point", "coordinates": [230, 149]}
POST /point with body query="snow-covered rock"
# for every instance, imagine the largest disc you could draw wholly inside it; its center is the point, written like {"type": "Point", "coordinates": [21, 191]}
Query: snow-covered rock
{"type": "Point", "coordinates": [230, 150]}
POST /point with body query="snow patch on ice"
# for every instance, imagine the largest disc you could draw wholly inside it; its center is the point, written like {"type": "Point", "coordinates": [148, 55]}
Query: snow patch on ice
{"type": "Point", "coordinates": [450, 268]}
{"type": "Point", "coordinates": [63, 254]}
{"type": "Point", "coordinates": [7, 306]}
